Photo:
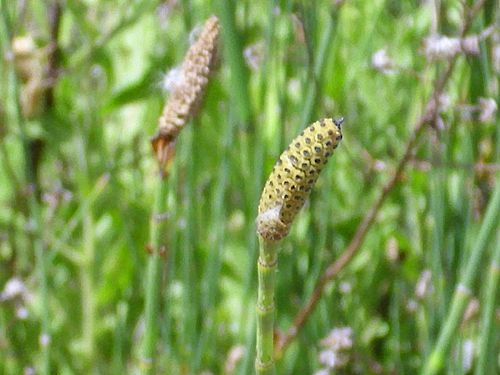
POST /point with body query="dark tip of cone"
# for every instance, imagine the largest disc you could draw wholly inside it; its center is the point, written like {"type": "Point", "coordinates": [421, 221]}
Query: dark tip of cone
{"type": "Point", "coordinates": [339, 121]}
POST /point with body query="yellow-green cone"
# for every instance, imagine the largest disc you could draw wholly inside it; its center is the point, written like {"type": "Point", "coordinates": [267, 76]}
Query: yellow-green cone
{"type": "Point", "coordinates": [293, 177]}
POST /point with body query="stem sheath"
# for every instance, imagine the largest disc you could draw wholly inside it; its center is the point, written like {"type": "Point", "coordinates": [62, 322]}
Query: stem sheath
{"type": "Point", "coordinates": [151, 309]}
{"type": "Point", "coordinates": [266, 265]}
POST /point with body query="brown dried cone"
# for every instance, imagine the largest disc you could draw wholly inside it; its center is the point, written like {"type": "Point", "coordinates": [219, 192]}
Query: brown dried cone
{"type": "Point", "coordinates": [28, 62]}
{"type": "Point", "coordinates": [293, 177]}
{"type": "Point", "coordinates": [185, 100]}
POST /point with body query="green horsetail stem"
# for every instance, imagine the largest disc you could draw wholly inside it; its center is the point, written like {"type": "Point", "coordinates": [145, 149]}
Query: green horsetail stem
{"type": "Point", "coordinates": [284, 194]}
{"type": "Point", "coordinates": [267, 263]}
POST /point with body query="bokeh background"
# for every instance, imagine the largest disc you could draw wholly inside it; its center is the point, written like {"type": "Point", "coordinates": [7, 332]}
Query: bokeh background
{"type": "Point", "coordinates": [82, 85]}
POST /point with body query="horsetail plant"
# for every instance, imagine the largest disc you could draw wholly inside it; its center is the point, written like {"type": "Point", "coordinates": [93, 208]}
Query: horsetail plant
{"type": "Point", "coordinates": [184, 103]}
{"type": "Point", "coordinates": [284, 194]}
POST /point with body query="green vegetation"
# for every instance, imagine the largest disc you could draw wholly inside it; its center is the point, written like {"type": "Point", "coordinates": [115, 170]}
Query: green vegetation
{"type": "Point", "coordinates": [391, 267]}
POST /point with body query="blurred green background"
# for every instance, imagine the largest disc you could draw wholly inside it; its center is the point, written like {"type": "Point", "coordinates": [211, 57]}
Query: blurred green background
{"type": "Point", "coordinates": [78, 180]}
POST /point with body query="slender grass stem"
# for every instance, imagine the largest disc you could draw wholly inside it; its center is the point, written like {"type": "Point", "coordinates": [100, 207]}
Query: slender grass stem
{"type": "Point", "coordinates": [41, 265]}
{"type": "Point", "coordinates": [119, 339]}
{"type": "Point", "coordinates": [87, 283]}
{"type": "Point", "coordinates": [214, 263]}
{"type": "Point", "coordinates": [437, 200]}
{"type": "Point", "coordinates": [266, 265]}
{"type": "Point", "coordinates": [88, 267]}
{"type": "Point", "coordinates": [189, 246]}
{"type": "Point", "coordinates": [234, 58]}
{"type": "Point", "coordinates": [462, 293]}
{"type": "Point", "coordinates": [153, 278]}
{"type": "Point", "coordinates": [319, 64]}
{"type": "Point", "coordinates": [486, 337]}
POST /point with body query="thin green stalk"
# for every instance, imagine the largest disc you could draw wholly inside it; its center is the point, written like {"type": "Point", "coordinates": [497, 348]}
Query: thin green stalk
{"type": "Point", "coordinates": [486, 338]}
{"type": "Point", "coordinates": [463, 291]}
{"type": "Point", "coordinates": [87, 282]}
{"type": "Point", "coordinates": [34, 214]}
{"type": "Point", "coordinates": [233, 55]}
{"type": "Point", "coordinates": [437, 179]}
{"type": "Point", "coordinates": [87, 270]}
{"type": "Point", "coordinates": [266, 265]}
{"type": "Point", "coordinates": [271, 80]}
{"type": "Point", "coordinates": [319, 64]}
{"type": "Point", "coordinates": [152, 293]}
{"type": "Point", "coordinates": [4, 354]}
{"type": "Point", "coordinates": [168, 333]}
{"type": "Point", "coordinates": [187, 13]}
{"type": "Point", "coordinates": [119, 339]}
{"type": "Point", "coordinates": [189, 245]}
{"type": "Point", "coordinates": [248, 320]}
{"type": "Point", "coordinates": [210, 287]}
{"type": "Point", "coordinates": [41, 264]}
